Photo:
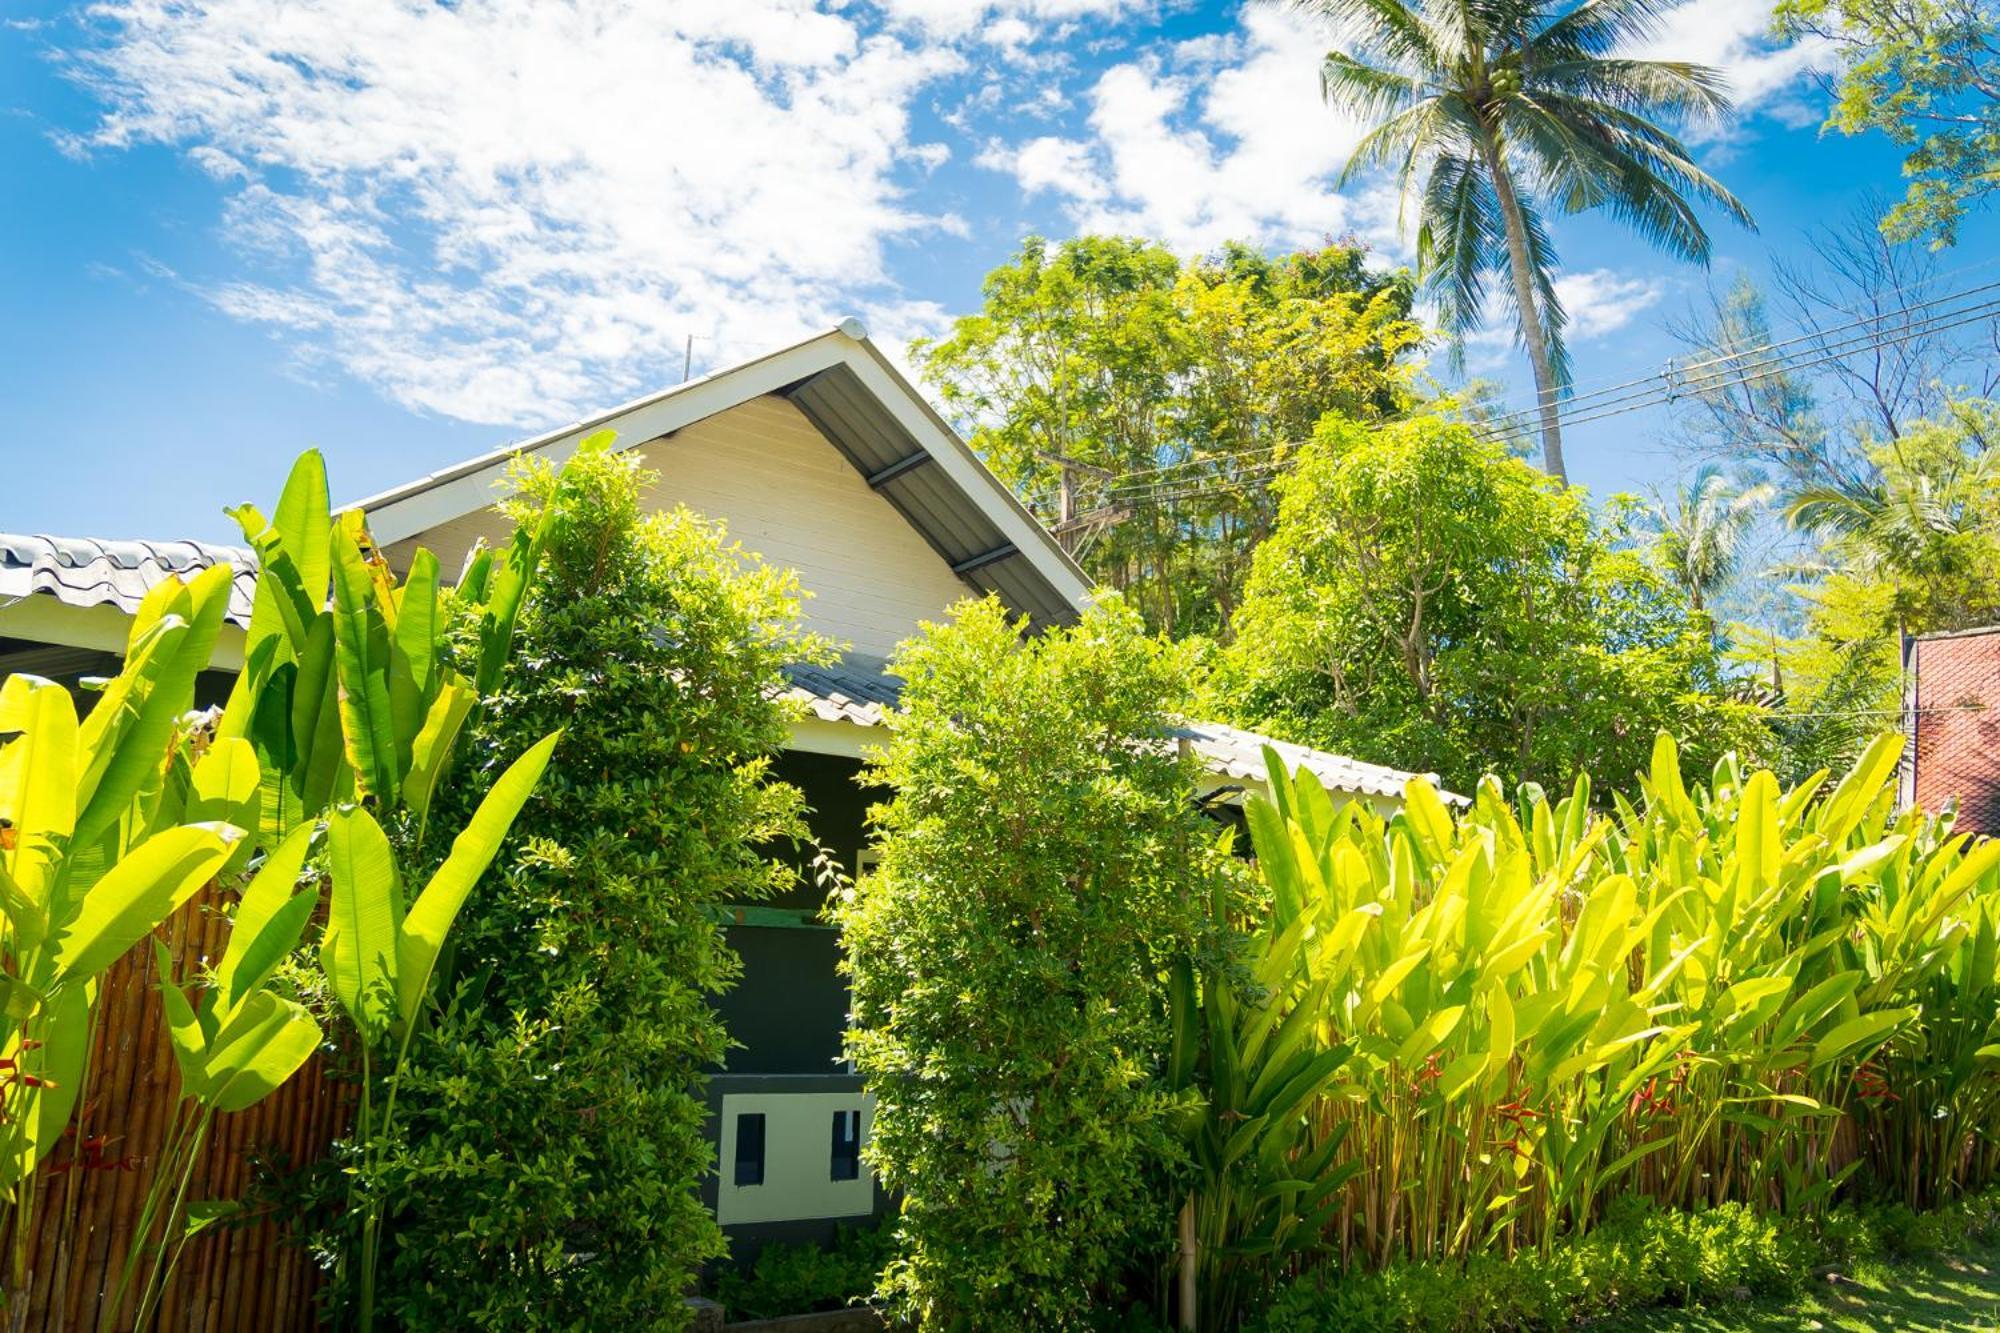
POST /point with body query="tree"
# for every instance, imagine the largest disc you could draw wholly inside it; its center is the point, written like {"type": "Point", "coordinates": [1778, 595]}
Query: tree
{"type": "Point", "coordinates": [554, 1146]}
{"type": "Point", "coordinates": [1927, 74]}
{"type": "Point", "coordinates": [1699, 535]}
{"type": "Point", "coordinates": [1042, 865]}
{"type": "Point", "coordinates": [1428, 602]}
{"type": "Point", "coordinates": [1142, 402]}
{"type": "Point", "coordinates": [1508, 112]}
{"type": "Point", "coordinates": [1914, 550]}
{"type": "Point", "coordinates": [1928, 529]}
{"type": "Point", "coordinates": [1874, 344]}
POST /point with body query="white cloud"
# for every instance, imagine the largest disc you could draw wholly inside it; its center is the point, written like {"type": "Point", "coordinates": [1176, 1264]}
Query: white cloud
{"type": "Point", "coordinates": [510, 211]}
{"type": "Point", "coordinates": [1214, 139]}
{"type": "Point", "coordinates": [1597, 301]}
{"type": "Point", "coordinates": [1600, 301]}
{"type": "Point", "coordinates": [1734, 37]}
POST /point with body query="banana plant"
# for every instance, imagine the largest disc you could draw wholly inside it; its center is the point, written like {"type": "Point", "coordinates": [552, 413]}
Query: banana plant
{"type": "Point", "coordinates": [379, 957]}
{"type": "Point", "coordinates": [346, 694]}
{"type": "Point", "coordinates": [235, 1045]}
{"type": "Point", "coordinates": [95, 853]}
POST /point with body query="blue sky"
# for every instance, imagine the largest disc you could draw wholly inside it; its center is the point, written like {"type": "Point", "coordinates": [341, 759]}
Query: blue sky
{"type": "Point", "coordinates": [406, 232]}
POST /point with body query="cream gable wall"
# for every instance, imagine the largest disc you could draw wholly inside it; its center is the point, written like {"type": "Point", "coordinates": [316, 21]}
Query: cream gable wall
{"type": "Point", "coordinates": [787, 494]}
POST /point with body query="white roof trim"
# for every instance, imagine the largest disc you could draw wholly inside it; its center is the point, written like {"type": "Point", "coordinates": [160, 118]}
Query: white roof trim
{"type": "Point", "coordinates": [414, 508]}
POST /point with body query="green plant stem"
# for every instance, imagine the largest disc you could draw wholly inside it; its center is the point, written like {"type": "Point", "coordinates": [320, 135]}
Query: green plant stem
{"type": "Point", "coordinates": [162, 1273]}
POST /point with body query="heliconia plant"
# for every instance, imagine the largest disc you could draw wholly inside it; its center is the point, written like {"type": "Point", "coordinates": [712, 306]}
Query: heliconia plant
{"type": "Point", "coordinates": [1720, 992]}
{"type": "Point", "coordinates": [352, 703]}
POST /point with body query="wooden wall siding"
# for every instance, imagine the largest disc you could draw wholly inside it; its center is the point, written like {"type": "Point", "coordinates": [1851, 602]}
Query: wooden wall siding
{"type": "Point", "coordinates": [791, 497]}
{"type": "Point", "coordinates": [230, 1277]}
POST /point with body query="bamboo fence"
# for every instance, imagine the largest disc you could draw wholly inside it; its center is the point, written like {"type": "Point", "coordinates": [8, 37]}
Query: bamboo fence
{"type": "Point", "coordinates": [240, 1275]}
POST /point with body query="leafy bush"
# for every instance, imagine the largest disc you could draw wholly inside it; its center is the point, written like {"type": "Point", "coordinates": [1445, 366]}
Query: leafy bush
{"type": "Point", "coordinates": [797, 1279]}
{"type": "Point", "coordinates": [1041, 863]}
{"type": "Point", "coordinates": [1639, 1258]}
{"type": "Point", "coordinates": [553, 1142]}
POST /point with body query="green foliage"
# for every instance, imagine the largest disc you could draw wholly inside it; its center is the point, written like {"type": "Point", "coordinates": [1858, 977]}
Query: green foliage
{"type": "Point", "coordinates": [1926, 73]}
{"type": "Point", "coordinates": [1428, 602]}
{"type": "Point", "coordinates": [547, 1169]}
{"type": "Point", "coordinates": [1159, 391]}
{"type": "Point", "coordinates": [1639, 1258]}
{"type": "Point", "coordinates": [1496, 116]}
{"type": "Point", "coordinates": [349, 714]}
{"type": "Point", "coordinates": [1912, 549]}
{"type": "Point", "coordinates": [1041, 864]}
{"type": "Point", "coordinates": [796, 1279]}
{"type": "Point", "coordinates": [96, 850]}
{"type": "Point", "coordinates": [1724, 993]}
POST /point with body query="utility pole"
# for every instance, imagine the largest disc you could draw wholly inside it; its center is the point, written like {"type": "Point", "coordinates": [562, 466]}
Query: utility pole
{"type": "Point", "coordinates": [687, 362]}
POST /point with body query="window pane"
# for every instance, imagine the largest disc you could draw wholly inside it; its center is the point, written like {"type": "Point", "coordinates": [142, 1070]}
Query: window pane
{"type": "Point", "coordinates": [750, 1148]}
{"type": "Point", "coordinates": [846, 1159]}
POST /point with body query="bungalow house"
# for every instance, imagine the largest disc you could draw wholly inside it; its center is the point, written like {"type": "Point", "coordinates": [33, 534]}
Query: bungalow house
{"type": "Point", "coordinates": [821, 457]}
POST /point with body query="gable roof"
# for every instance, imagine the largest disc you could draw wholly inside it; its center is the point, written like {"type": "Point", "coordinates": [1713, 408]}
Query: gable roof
{"type": "Point", "coordinates": [884, 428]}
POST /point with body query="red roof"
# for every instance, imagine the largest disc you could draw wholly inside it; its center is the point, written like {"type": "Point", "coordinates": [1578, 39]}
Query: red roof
{"type": "Point", "coordinates": [1955, 693]}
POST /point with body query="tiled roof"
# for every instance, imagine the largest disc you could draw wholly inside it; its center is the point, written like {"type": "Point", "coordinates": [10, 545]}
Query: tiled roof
{"type": "Point", "coordinates": [1234, 752]}
{"type": "Point", "coordinates": [846, 693]}
{"type": "Point", "coordinates": [86, 572]}
{"type": "Point", "coordinates": [858, 694]}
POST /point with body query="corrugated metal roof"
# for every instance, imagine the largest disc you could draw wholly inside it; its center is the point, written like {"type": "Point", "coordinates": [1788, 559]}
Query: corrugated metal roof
{"type": "Point", "coordinates": [855, 693]}
{"type": "Point", "coordinates": [86, 571]}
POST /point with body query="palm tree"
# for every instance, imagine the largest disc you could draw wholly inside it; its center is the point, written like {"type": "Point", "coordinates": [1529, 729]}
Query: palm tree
{"type": "Point", "coordinates": [1924, 526]}
{"type": "Point", "coordinates": [1508, 110]}
{"type": "Point", "coordinates": [1699, 536]}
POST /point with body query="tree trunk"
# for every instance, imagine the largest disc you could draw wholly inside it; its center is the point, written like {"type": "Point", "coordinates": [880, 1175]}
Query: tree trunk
{"type": "Point", "coordinates": [1532, 332]}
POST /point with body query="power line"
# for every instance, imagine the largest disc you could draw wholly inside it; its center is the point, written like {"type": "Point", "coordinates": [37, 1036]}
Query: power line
{"type": "Point", "coordinates": [1169, 485]}
{"type": "Point", "coordinates": [1661, 383]}
{"type": "Point", "coordinates": [1180, 488]}
{"type": "Point", "coordinates": [1936, 324]}
{"type": "Point", "coordinates": [1807, 336]}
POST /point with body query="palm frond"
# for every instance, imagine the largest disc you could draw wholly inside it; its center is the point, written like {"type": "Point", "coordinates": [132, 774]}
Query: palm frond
{"type": "Point", "coordinates": [1836, 510]}
{"type": "Point", "coordinates": [1599, 28]}
{"type": "Point", "coordinates": [1458, 246]}
{"type": "Point", "coordinates": [1366, 89]}
{"type": "Point", "coordinates": [1676, 88]}
{"type": "Point", "coordinates": [1393, 29]}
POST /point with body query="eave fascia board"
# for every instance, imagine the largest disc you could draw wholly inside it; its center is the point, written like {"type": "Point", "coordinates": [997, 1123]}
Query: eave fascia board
{"type": "Point", "coordinates": [404, 512]}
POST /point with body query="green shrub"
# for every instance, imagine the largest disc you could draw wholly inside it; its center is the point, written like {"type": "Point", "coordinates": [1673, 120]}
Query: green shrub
{"type": "Point", "coordinates": [1041, 862]}
{"type": "Point", "coordinates": [1640, 1257]}
{"type": "Point", "coordinates": [797, 1279]}
{"type": "Point", "coordinates": [554, 1140]}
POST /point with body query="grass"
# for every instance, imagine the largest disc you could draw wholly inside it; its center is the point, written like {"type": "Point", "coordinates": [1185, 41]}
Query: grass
{"type": "Point", "coordinates": [1959, 1294]}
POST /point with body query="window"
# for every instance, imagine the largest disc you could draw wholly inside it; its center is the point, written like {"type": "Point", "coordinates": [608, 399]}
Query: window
{"type": "Point", "coordinates": [750, 1148]}
{"type": "Point", "coordinates": [846, 1159]}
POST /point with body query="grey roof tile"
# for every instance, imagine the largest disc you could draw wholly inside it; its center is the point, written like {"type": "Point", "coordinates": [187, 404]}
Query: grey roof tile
{"type": "Point", "coordinates": [856, 693]}
{"type": "Point", "coordinates": [85, 571]}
